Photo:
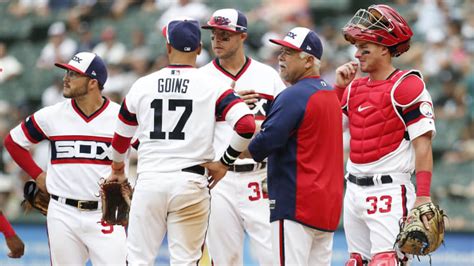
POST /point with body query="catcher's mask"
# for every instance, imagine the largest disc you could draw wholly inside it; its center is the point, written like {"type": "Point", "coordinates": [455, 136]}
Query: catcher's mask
{"type": "Point", "coordinates": [379, 24]}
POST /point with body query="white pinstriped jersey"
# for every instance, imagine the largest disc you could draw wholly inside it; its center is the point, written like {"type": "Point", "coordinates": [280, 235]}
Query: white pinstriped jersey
{"type": "Point", "coordinates": [173, 112]}
{"type": "Point", "coordinates": [80, 146]}
{"type": "Point", "coordinates": [253, 76]}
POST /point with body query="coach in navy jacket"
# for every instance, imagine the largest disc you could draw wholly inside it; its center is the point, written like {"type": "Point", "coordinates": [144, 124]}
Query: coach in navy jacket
{"type": "Point", "coordinates": [302, 138]}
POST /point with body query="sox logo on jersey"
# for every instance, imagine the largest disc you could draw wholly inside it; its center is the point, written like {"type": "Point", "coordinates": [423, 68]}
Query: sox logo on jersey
{"type": "Point", "coordinates": [94, 150]}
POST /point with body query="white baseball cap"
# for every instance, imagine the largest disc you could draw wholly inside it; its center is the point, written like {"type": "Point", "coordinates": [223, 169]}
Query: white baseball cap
{"type": "Point", "coordinates": [302, 39]}
{"type": "Point", "coordinates": [227, 19]}
{"type": "Point", "coordinates": [88, 64]}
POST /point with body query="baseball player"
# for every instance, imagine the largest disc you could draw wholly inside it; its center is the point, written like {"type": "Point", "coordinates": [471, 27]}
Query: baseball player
{"type": "Point", "coordinates": [239, 204]}
{"type": "Point", "coordinates": [302, 138]}
{"type": "Point", "coordinates": [80, 131]}
{"type": "Point", "coordinates": [389, 114]}
{"type": "Point", "coordinates": [14, 243]}
{"type": "Point", "coordinates": [173, 112]}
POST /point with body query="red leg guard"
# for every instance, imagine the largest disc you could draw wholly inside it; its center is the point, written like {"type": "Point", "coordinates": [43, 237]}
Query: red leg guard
{"type": "Point", "coordinates": [384, 259]}
{"type": "Point", "coordinates": [355, 260]}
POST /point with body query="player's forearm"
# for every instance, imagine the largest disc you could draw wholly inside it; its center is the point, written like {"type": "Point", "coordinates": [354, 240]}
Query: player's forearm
{"type": "Point", "coordinates": [5, 227]}
{"type": "Point", "coordinates": [22, 157]}
{"type": "Point", "coordinates": [339, 91]}
{"type": "Point", "coordinates": [423, 163]}
{"type": "Point", "coordinates": [244, 130]}
{"type": "Point", "coordinates": [124, 132]}
{"type": "Point", "coordinates": [120, 145]}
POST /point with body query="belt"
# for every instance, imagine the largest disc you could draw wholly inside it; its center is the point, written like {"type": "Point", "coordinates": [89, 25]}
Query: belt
{"type": "Point", "coordinates": [196, 169]}
{"type": "Point", "coordinates": [369, 180]}
{"type": "Point", "coordinates": [247, 167]}
{"type": "Point", "coordinates": [80, 204]}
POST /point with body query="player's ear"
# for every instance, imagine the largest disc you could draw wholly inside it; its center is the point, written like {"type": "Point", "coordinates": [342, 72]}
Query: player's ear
{"type": "Point", "coordinates": [94, 83]}
{"type": "Point", "coordinates": [243, 36]}
{"type": "Point", "coordinates": [385, 51]}
{"type": "Point", "coordinates": [309, 62]}
{"type": "Point", "coordinates": [168, 48]}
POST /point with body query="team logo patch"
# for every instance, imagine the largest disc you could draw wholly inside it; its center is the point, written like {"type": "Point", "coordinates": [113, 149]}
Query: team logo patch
{"type": "Point", "coordinates": [222, 21]}
{"type": "Point", "coordinates": [292, 35]}
{"type": "Point", "coordinates": [76, 59]}
{"type": "Point", "coordinates": [426, 109]}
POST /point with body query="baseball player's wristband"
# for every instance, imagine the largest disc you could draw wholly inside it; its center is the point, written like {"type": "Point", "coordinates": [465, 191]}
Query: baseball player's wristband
{"type": "Point", "coordinates": [229, 157]}
{"type": "Point", "coordinates": [5, 227]}
{"type": "Point", "coordinates": [423, 183]}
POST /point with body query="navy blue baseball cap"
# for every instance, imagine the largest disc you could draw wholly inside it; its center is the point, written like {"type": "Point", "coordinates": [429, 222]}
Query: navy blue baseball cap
{"type": "Point", "coordinates": [227, 19]}
{"type": "Point", "coordinates": [88, 64]}
{"type": "Point", "coordinates": [183, 34]}
{"type": "Point", "coordinates": [302, 39]}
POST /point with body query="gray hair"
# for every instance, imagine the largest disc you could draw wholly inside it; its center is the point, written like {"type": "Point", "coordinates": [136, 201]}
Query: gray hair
{"type": "Point", "coordinates": [317, 62]}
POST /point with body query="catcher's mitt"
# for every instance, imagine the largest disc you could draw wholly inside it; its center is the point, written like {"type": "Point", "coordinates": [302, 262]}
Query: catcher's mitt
{"type": "Point", "coordinates": [116, 199]}
{"type": "Point", "coordinates": [414, 238]}
{"type": "Point", "coordinates": [35, 198]}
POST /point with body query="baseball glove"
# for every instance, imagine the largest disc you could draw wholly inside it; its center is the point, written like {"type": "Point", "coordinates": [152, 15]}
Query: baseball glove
{"type": "Point", "coordinates": [265, 185]}
{"type": "Point", "coordinates": [414, 238]}
{"type": "Point", "coordinates": [116, 199]}
{"type": "Point", "coordinates": [35, 198]}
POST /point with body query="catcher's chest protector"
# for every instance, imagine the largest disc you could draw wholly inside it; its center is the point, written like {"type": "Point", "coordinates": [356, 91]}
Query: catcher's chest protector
{"type": "Point", "coordinates": [375, 127]}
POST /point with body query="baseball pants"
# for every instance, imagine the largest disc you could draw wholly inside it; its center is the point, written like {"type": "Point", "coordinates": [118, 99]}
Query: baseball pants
{"type": "Point", "coordinates": [177, 203]}
{"type": "Point", "coordinates": [297, 244]}
{"type": "Point", "coordinates": [238, 205]}
{"type": "Point", "coordinates": [372, 215]}
{"type": "Point", "coordinates": [76, 235]}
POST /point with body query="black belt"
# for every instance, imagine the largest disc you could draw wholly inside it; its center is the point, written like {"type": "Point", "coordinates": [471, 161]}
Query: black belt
{"type": "Point", "coordinates": [247, 167]}
{"type": "Point", "coordinates": [80, 204]}
{"type": "Point", "coordinates": [196, 169]}
{"type": "Point", "coordinates": [369, 180]}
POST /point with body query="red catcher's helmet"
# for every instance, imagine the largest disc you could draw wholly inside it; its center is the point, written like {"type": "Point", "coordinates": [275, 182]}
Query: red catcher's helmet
{"type": "Point", "coordinates": [380, 24]}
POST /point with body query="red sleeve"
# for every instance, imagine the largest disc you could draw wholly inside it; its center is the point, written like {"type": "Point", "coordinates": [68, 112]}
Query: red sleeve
{"type": "Point", "coordinates": [22, 157]}
{"type": "Point", "coordinates": [245, 126]}
{"type": "Point", "coordinates": [409, 89]}
{"type": "Point", "coordinates": [121, 143]}
{"type": "Point", "coordinates": [339, 91]}
{"type": "Point", "coordinates": [5, 227]}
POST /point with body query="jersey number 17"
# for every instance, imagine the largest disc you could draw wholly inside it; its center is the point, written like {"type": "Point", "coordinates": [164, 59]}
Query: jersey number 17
{"type": "Point", "coordinates": [177, 133]}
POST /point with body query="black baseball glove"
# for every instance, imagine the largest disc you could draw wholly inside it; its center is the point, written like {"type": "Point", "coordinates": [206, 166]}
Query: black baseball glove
{"type": "Point", "coordinates": [35, 198]}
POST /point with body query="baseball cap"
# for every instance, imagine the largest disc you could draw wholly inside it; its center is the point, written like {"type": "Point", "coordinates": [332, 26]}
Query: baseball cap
{"type": "Point", "coordinates": [227, 19]}
{"type": "Point", "coordinates": [88, 64]}
{"type": "Point", "coordinates": [183, 34]}
{"type": "Point", "coordinates": [302, 39]}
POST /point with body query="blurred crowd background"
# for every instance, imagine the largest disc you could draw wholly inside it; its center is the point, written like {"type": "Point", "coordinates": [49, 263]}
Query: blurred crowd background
{"type": "Point", "coordinates": [127, 34]}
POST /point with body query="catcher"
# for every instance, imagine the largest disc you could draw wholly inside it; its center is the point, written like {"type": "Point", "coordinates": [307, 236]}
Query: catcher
{"type": "Point", "coordinates": [390, 118]}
